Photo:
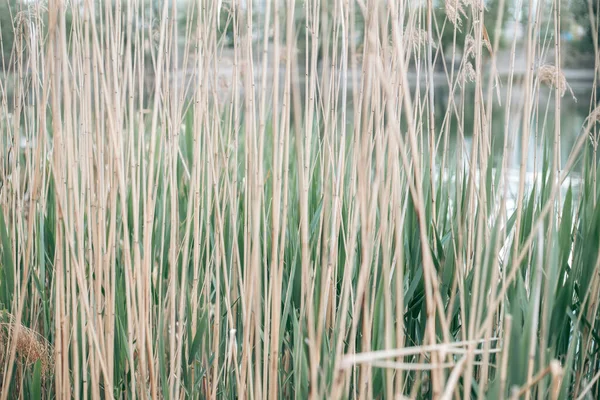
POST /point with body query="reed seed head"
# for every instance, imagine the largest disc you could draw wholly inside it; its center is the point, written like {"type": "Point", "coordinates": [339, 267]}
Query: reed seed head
{"type": "Point", "coordinates": [468, 73]}
{"type": "Point", "coordinates": [551, 76]}
{"type": "Point", "coordinates": [30, 345]}
{"type": "Point", "coordinates": [420, 37]}
{"type": "Point", "coordinates": [595, 115]}
{"type": "Point", "coordinates": [477, 5]}
{"type": "Point", "coordinates": [454, 9]}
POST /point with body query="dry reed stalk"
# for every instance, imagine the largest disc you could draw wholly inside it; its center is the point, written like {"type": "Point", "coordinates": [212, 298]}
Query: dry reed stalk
{"type": "Point", "coordinates": [477, 5]}
{"type": "Point", "coordinates": [432, 291]}
{"type": "Point", "coordinates": [114, 185]}
{"type": "Point", "coordinates": [595, 115]}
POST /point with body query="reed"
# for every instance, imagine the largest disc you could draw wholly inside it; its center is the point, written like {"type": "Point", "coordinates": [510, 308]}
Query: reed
{"type": "Point", "coordinates": [228, 199]}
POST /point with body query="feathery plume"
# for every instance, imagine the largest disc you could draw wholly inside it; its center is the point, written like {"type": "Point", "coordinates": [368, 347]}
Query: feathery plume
{"type": "Point", "coordinates": [468, 73]}
{"type": "Point", "coordinates": [551, 76]}
{"type": "Point", "coordinates": [454, 9]}
{"type": "Point", "coordinates": [30, 345]}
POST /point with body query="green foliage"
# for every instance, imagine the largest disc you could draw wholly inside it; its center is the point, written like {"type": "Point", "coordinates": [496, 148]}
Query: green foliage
{"type": "Point", "coordinates": [581, 15]}
{"type": "Point", "coordinates": [7, 270]}
{"type": "Point", "coordinates": [7, 11]}
{"type": "Point", "coordinates": [203, 288]}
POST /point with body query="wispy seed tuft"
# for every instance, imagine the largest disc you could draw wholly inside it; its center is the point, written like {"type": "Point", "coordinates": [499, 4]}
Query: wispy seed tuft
{"type": "Point", "coordinates": [454, 9]}
{"type": "Point", "coordinates": [31, 346]}
{"type": "Point", "coordinates": [551, 76]}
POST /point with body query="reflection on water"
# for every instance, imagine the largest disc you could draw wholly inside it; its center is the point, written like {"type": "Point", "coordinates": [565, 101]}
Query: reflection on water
{"type": "Point", "coordinates": [573, 113]}
{"type": "Point", "coordinates": [572, 116]}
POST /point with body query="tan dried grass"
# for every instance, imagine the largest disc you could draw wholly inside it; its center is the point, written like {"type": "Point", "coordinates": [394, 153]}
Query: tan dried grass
{"type": "Point", "coordinates": [419, 37]}
{"type": "Point", "coordinates": [468, 73]}
{"type": "Point", "coordinates": [551, 76]}
{"type": "Point", "coordinates": [595, 115]}
{"type": "Point", "coordinates": [590, 121]}
{"type": "Point", "coordinates": [30, 345]}
{"type": "Point", "coordinates": [470, 44]}
{"type": "Point", "coordinates": [454, 9]}
{"type": "Point", "coordinates": [476, 4]}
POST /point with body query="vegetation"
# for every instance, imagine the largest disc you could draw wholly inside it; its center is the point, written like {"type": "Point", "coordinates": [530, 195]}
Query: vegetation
{"type": "Point", "coordinates": [174, 228]}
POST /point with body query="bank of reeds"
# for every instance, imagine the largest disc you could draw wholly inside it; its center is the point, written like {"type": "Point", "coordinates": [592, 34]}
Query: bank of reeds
{"type": "Point", "coordinates": [296, 224]}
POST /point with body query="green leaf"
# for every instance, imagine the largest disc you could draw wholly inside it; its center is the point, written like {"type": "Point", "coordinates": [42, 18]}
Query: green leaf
{"type": "Point", "coordinates": [36, 385]}
{"type": "Point", "coordinates": [7, 278]}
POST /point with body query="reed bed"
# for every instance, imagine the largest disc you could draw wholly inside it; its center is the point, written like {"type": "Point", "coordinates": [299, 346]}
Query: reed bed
{"type": "Point", "coordinates": [292, 221]}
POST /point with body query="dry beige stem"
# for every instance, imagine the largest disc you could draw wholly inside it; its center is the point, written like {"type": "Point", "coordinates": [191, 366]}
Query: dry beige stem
{"type": "Point", "coordinates": [486, 39]}
{"type": "Point", "coordinates": [595, 114]}
{"type": "Point", "coordinates": [591, 119]}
